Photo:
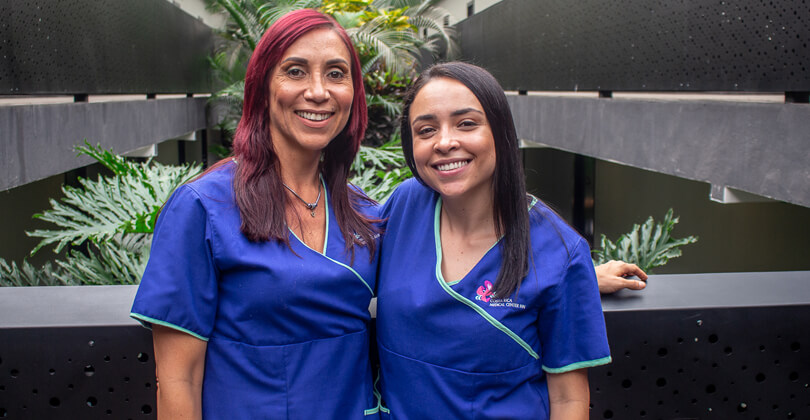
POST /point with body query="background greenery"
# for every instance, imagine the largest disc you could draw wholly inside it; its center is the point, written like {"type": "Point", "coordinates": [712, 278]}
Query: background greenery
{"type": "Point", "coordinates": [105, 225]}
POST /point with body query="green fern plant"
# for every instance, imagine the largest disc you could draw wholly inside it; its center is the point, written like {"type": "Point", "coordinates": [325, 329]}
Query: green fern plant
{"type": "Point", "coordinates": [648, 246]}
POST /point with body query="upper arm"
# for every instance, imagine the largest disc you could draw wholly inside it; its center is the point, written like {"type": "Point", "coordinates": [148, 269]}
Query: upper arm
{"type": "Point", "coordinates": [568, 394]}
{"type": "Point", "coordinates": [179, 368]}
{"type": "Point", "coordinates": [179, 357]}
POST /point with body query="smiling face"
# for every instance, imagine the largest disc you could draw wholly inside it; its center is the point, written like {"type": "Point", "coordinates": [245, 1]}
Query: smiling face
{"type": "Point", "coordinates": [311, 93]}
{"type": "Point", "coordinates": [453, 146]}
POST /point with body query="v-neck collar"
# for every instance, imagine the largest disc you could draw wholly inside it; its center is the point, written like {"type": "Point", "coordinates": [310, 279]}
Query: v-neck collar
{"type": "Point", "coordinates": [438, 242]}
{"type": "Point", "coordinates": [326, 211]}
{"type": "Point", "coordinates": [326, 241]}
{"type": "Point", "coordinates": [437, 235]}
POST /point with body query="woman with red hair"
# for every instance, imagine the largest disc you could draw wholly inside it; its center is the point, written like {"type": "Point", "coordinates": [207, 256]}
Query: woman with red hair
{"type": "Point", "coordinates": [262, 269]}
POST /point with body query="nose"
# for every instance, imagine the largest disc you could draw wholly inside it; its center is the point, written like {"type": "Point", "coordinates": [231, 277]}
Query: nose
{"type": "Point", "coordinates": [316, 91]}
{"type": "Point", "coordinates": [446, 141]}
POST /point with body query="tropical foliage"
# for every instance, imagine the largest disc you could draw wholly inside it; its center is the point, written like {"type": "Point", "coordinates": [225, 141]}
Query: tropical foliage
{"type": "Point", "coordinates": [378, 170]}
{"type": "Point", "coordinates": [648, 246]}
{"type": "Point", "coordinates": [106, 223]}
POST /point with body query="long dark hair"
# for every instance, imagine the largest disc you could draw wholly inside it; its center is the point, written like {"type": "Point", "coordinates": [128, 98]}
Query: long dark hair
{"type": "Point", "coordinates": [510, 207]}
{"type": "Point", "coordinates": [258, 189]}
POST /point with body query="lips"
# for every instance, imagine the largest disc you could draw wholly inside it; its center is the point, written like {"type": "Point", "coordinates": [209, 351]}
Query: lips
{"type": "Point", "coordinates": [449, 166]}
{"type": "Point", "coordinates": [314, 116]}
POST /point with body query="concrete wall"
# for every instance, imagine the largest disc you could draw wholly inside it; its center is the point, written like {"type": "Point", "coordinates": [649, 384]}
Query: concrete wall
{"type": "Point", "coordinates": [767, 236]}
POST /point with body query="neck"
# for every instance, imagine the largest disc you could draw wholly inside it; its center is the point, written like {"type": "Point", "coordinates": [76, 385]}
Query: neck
{"type": "Point", "coordinates": [301, 175]}
{"type": "Point", "coordinates": [467, 216]}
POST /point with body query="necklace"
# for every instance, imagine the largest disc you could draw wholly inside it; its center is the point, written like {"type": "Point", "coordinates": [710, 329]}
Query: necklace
{"type": "Point", "coordinates": [310, 206]}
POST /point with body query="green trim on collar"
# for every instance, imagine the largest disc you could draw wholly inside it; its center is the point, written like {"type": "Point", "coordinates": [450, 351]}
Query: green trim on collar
{"type": "Point", "coordinates": [484, 314]}
{"type": "Point", "coordinates": [334, 261]}
{"type": "Point", "coordinates": [326, 207]}
{"type": "Point", "coordinates": [579, 365]}
{"type": "Point", "coordinates": [144, 320]}
{"type": "Point", "coordinates": [352, 270]}
{"type": "Point", "coordinates": [326, 242]}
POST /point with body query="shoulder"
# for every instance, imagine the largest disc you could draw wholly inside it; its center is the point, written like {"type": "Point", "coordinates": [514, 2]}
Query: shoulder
{"type": "Point", "coordinates": [215, 186]}
{"type": "Point", "coordinates": [411, 193]}
{"type": "Point", "coordinates": [545, 222]}
{"type": "Point", "coordinates": [412, 189]}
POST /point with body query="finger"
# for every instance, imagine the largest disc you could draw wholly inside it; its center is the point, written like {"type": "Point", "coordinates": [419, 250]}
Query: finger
{"type": "Point", "coordinates": [633, 270]}
{"type": "Point", "coordinates": [635, 284]}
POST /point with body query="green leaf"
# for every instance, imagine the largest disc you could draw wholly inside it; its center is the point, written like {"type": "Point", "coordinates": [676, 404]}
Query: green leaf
{"type": "Point", "coordinates": [648, 246]}
{"type": "Point", "coordinates": [127, 202]}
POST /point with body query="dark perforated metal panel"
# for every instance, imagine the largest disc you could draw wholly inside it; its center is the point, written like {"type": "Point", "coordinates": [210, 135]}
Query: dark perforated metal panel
{"type": "Point", "coordinates": [77, 373]}
{"type": "Point", "coordinates": [101, 46]}
{"type": "Point", "coordinates": [731, 45]}
{"type": "Point", "coordinates": [746, 363]}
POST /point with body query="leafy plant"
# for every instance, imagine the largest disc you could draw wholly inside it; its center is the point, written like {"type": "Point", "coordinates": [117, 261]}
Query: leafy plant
{"type": "Point", "coordinates": [107, 222]}
{"type": "Point", "coordinates": [648, 246]}
{"type": "Point", "coordinates": [378, 170]}
{"type": "Point", "coordinates": [125, 203]}
{"type": "Point", "coordinates": [28, 275]}
{"type": "Point", "coordinates": [119, 260]}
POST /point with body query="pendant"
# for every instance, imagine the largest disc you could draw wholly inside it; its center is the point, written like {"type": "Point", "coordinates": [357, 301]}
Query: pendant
{"type": "Point", "coordinates": [312, 213]}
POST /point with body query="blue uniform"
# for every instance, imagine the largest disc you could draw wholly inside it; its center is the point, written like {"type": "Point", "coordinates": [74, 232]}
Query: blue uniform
{"type": "Point", "coordinates": [453, 350]}
{"type": "Point", "coordinates": [287, 334]}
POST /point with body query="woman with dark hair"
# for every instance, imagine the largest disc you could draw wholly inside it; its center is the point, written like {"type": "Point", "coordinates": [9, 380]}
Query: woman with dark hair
{"type": "Point", "coordinates": [501, 315]}
{"type": "Point", "coordinates": [262, 269]}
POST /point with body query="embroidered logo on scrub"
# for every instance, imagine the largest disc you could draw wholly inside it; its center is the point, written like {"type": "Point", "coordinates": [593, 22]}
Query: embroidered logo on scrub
{"type": "Point", "coordinates": [485, 294]}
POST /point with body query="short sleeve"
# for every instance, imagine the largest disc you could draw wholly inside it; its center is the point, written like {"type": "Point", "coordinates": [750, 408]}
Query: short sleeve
{"type": "Point", "coordinates": [179, 286]}
{"type": "Point", "coordinates": [572, 326]}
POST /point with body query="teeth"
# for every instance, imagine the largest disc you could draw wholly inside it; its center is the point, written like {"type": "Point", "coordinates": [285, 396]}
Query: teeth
{"type": "Point", "coordinates": [313, 116]}
{"type": "Point", "coordinates": [453, 165]}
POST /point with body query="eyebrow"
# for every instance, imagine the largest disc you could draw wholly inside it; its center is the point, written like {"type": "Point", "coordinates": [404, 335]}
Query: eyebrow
{"type": "Point", "coordinates": [452, 114]}
{"type": "Point", "coordinates": [302, 60]}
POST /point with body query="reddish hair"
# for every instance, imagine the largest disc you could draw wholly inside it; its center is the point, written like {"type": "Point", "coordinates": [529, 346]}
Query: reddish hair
{"type": "Point", "coordinates": [258, 189]}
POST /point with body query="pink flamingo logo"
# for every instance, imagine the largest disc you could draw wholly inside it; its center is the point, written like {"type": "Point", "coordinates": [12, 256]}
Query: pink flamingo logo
{"type": "Point", "coordinates": [485, 292]}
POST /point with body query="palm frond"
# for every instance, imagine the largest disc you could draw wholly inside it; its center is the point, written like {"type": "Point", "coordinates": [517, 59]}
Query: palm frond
{"type": "Point", "coordinates": [272, 11]}
{"type": "Point", "coordinates": [395, 48]}
{"type": "Point", "coordinates": [393, 107]}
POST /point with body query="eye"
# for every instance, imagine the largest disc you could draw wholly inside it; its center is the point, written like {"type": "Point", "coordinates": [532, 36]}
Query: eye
{"type": "Point", "coordinates": [336, 74]}
{"type": "Point", "coordinates": [468, 124]}
{"type": "Point", "coordinates": [424, 131]}
{"type": "Point", "coordinates": [295, 72]}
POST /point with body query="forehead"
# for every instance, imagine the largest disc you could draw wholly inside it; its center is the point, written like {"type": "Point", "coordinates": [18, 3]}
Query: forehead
{"type": "Point", "coordinates": [321, 42]}
{"type": "Point", "coordinates": [444, 95]}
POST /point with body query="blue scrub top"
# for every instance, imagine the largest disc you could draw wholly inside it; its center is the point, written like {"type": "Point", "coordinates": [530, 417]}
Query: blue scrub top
{"type": "Point", "coordinates": [286, 330]}
{"type": "Point", "coordinates": [453, 350]}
